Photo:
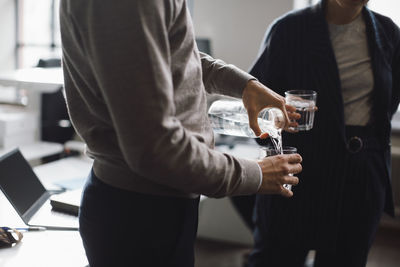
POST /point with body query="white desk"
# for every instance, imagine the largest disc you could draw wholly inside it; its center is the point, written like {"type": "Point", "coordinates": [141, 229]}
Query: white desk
{"type": "Point", "coordinates": [45, 80]}
{"type": "Point", "coordinates": [40, 249]}
{"type": "Point", "coordinates": [48, 248]}
{"type": "Point", "coordinates": [64, 169]}
{"type": "Point", "coordinates": [35, 81]}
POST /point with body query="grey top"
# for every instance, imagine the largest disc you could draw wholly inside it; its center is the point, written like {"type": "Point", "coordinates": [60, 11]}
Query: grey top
{"type": "Point", "coordinates": [136, 92]}
{"type": "Point", "coordinates": [349, 43]}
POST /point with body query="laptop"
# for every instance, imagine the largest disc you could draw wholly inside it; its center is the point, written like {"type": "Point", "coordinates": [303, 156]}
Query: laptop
{"type": "Point", "coordinates": [29, 197]}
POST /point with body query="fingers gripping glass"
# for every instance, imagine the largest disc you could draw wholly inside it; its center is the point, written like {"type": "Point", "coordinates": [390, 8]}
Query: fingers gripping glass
{"type": "Point", "coordinates": [9, 237]}
{"type": "Point", "coordinates": [305, 103]}
{"type": "Point", "coordinates": [272, 151]}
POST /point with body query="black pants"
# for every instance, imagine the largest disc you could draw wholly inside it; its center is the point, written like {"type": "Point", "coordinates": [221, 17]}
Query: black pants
{"type": "Point", "coordinates": [363, 201]}
{"type": "Point", "coordinates": [244, 205]}
{"type": "Point", "coordinates": [123, 228]}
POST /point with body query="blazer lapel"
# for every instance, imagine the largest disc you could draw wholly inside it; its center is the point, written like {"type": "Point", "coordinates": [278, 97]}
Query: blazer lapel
{"type": "Point", "coordinates": [376, 47]}
{"type": "Point", "coordinates": [325, 67]}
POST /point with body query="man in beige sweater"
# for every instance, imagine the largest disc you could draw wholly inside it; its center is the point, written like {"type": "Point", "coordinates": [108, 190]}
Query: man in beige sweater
{"type": "Point", "coordinates": [136, 89]}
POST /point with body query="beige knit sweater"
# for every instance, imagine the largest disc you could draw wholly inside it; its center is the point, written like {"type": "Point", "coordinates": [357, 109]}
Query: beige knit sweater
{"type": "Point", "coordinates": [136, 91]}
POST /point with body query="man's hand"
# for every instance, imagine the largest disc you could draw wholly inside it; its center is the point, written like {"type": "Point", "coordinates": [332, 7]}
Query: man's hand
{"type": "Point", "coordinates": [256, 97]}
{"type": "Point", "coordinates": [277, 171]}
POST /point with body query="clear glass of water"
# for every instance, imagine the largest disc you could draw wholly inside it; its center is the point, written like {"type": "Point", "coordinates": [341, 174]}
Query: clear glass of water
{"type": "Point", "coordinates": [305, 103]}
{"type": "Point", "coordinates": [267, 151]}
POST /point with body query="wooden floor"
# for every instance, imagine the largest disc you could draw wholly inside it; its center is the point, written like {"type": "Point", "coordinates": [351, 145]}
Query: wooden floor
{"type": "Point", "coordinates": [385, 251]}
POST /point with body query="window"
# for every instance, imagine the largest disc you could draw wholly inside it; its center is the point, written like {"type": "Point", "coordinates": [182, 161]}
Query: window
{"type": "Point", "coordinates": [38, 33]}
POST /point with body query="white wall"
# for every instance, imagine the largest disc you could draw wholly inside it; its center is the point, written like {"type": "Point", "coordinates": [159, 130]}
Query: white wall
{"type": "Point", "coordinates": [236, 27]}
{"type": "Point", "coordinates": [7, 34]}
{"type": "Point", "coordinates": [388, 8]}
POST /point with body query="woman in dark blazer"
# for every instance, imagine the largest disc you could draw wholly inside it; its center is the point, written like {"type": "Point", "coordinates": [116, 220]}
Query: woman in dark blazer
{"type": "Point", "coordinates": [350, 55]}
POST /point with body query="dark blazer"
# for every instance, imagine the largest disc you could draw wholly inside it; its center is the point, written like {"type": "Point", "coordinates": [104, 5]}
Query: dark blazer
{"type": "Point", "coordinates": [297, 54]}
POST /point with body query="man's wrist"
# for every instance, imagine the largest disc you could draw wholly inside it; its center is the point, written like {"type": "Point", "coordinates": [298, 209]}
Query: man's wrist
{"type": "Point", "coordinates": [251, 83]}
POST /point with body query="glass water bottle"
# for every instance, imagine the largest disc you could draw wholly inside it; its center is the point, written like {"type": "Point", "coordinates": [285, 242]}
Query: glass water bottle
{"type": "Point", "coordinates": [230, 117]}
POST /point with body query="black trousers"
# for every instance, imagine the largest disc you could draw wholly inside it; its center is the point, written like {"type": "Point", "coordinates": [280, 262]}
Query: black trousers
{"type": "Point", "coordinates": [244, 205]}
{"type": "Point", "coordinates": [363, 201]}
{"type": "Point", "coordinates": [124, 228]}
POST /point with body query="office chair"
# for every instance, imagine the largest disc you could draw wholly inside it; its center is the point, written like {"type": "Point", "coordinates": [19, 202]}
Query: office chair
{"type": "Point", "coordinates": [55, 122]}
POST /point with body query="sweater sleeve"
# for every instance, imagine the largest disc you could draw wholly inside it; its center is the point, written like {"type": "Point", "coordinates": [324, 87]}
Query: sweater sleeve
{"type": "Point", "coordinates": [222, 78]}
{"type": "Point", "coordinates": [128, 47]}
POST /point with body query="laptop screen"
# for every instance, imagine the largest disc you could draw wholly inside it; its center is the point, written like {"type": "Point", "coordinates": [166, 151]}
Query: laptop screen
{"type": "Point", "coordinates": [19, 183]}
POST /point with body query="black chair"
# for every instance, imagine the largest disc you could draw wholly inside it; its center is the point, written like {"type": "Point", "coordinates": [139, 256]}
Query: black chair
{"type": "Point", "coordinates": [55, 122]}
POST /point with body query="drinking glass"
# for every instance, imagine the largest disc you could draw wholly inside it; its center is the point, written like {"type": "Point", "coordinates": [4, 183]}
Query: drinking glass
{"type": "Point", "coordinates": [305, 102]}
{"type": "Point", "coordinates": [267, 151]}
